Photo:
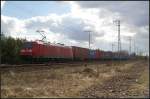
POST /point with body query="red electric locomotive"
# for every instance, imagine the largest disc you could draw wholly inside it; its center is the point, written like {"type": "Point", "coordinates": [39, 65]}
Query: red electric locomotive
{"type": "Point", "coordinates": [40, 51]}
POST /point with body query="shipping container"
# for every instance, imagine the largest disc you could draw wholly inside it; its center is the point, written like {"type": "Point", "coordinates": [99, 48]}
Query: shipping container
{"type": "Point", "coordinates": [98, 54]}
{"type": "Point", "coordinates": [92, 54]}
{"type": "Point", "coordinates": [107, 55]}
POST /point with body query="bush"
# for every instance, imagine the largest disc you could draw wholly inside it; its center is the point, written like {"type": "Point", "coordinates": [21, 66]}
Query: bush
{"type": "Point", "coordinates": [10, 49]}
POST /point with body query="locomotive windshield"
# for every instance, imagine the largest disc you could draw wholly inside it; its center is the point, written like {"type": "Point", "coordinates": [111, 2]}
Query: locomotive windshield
{"type": "Point", "coordinates": [27, 45]}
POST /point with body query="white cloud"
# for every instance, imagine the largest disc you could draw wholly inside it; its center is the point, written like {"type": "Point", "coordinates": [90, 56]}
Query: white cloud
{"type": "Point", "coordinates": [12, 26]}
{"type": "Point", "coordinates": [135, 12]}
{"type": "Point", "coordinates": [134, 20]}
{"type": "Point", "coordinates": [70, 28]}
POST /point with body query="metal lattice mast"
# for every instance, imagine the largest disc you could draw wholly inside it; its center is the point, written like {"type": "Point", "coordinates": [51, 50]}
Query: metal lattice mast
{"type": "Point", "coordinates": [119, 38]}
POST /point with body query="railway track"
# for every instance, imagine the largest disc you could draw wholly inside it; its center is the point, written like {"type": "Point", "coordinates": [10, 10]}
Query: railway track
{"type": "Point", "coordinates": [4, 66]}
{"type": "Point", "coordinates": [34, 65]}
{"type": "Point", "coordinates": [53, 64]}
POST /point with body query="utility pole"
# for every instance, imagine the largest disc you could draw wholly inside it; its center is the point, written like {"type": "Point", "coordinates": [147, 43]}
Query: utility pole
{"type": "Point", "coordinates": [129, 45]}
{"type": "Point", "coordinates": [138, 51]}
{"type": "Point", "coordinates": [117, 22]}
{"type": "Point", "coordinates": [135, 50]}
{"type": "Point", "coordinates": [113, 46]}
{"type": "Point", "coordinates": [112, 52]}
{"type": "Point", "coordinates": [134, 44]}
{"type": "Point", "coordinates": [89, 38]}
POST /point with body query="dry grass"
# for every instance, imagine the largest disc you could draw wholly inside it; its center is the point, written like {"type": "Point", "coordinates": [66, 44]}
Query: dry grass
{"type": "Point", "coordinates": [58, 82]}
{"type": "Point", "coordinates": [63, 82]}
{"type": "Point", "coordinates": [142, 84]}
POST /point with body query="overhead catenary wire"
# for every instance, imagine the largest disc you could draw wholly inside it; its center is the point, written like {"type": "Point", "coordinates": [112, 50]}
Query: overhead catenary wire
{"type": "Point", "coordinates": [42, 33]}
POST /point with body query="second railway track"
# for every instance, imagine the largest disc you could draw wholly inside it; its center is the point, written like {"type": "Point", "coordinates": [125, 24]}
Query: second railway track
{"type": "Point", "coordinates": [52, 65]}
{"type": "Point", "coordinates": [23, 67]}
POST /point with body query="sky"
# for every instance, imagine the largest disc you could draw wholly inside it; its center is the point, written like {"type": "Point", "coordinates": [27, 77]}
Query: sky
{"type": "Point", "coordinates": [68, 22]}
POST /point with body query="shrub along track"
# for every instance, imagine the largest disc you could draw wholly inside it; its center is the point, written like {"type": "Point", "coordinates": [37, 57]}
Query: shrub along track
{"type": "Point", "coordinates": [120, 85]}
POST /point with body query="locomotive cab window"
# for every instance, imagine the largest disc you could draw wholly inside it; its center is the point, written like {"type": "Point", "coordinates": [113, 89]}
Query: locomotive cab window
{"type": "Point", "coordinates": [27, 45]}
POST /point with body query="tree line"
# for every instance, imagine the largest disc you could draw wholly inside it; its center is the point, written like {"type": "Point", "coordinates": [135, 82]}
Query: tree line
{"type": "Point", "coordinates": [10, 49]}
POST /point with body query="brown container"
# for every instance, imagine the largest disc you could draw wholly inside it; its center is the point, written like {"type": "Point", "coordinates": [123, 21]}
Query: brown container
{"type": "Point", "coordinates": [98, 54]}
{"type": "Point", "coordinates": [80, 53]}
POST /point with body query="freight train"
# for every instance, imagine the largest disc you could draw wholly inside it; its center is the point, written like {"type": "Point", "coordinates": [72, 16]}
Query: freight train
{"type": "Point", "coordinates": [40, 51]}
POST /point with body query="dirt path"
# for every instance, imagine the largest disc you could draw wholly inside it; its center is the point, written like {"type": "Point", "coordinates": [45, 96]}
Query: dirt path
{"type": "Point", "coordinates": [125, 84]}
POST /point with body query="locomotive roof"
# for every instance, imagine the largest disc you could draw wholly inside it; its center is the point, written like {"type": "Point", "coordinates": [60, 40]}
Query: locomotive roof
{"type": "Point", "coordinates": [48, 43]}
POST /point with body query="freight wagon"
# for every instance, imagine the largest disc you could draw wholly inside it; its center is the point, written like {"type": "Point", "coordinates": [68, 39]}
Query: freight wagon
{"type": "Point", "coordinates": [123, 55]}
{"type": "Point", "coordinates": [106, 55]}
{"type": "Point", "coordinates": [80, 53]}
{"type": "Point", "coordinates": [98, 54]}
